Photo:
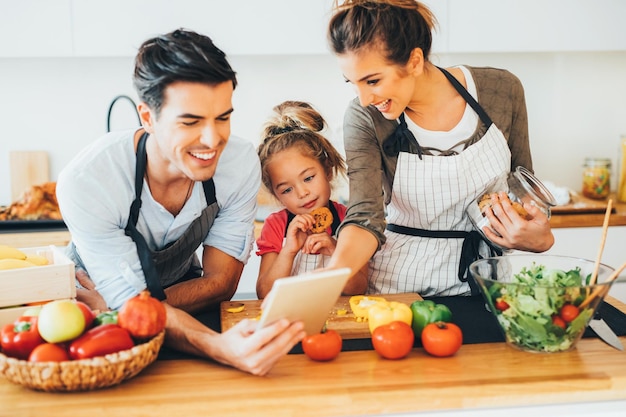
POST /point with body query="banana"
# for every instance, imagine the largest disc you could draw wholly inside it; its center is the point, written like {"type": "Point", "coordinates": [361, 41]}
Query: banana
{"type": "Point", "coordinates": [8, 252]}
{"type": "Point", "coordinates": [37, 260]}
{"type": "Point", "coordinates": [14, 264]}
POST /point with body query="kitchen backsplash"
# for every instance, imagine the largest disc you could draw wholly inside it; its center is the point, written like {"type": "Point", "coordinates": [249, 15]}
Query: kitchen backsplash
{"type": "Point", "coordinates": [576, 103]}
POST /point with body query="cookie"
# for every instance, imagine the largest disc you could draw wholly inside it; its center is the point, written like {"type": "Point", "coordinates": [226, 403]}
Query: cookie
{"type": "Point", "coordinates": [485, 202]}
{"type": "Point", "coordinates": [323, 219]}
{"type": "Point", "coordinates": [520, 209]}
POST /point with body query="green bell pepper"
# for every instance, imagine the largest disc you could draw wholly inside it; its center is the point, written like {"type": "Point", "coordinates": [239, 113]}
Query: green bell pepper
{"type": "Point", "coordinates": [425, 312]}
{"type": "Point", "coordinates": [106, 317]}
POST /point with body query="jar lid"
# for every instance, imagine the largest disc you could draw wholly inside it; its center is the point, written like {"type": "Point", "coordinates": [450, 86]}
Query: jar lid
{"type": "Point", "coordinates": [598, 162]}
{"type": "Point", "coordinates": [534, 186]}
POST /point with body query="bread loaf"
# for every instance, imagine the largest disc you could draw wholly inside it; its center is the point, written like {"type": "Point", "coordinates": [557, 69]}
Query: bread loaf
{"type": "Point", "coordinates": [38, 202]}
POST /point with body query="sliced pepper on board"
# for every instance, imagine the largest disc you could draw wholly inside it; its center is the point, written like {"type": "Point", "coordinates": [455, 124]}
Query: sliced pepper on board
{"type": "Point", "coordinates": [426, 312]}
{"type": "Point", "coordinates": [384, 312]}
{"type": "Point", "coordinates": [360, 304]}
{"type": "Point", "coordinates": [18, 339]}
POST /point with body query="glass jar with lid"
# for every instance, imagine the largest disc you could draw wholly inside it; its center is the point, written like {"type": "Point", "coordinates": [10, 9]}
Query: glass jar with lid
{"type": "Point", "coordinates": [522, 187]}
{"type": "Point", "coordinates": [597, 178]}
{"type": "Point", "coordinates": [621, 171]}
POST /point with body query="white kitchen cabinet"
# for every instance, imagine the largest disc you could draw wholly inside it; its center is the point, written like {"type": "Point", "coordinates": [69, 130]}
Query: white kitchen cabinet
{"type": "Point", "coordinates": [116, 28]}
{"type": "Point", "coordinates": [41, 28]}
{"type": "Point", "coordinates": [584, 242]}
{"type": "Point", "coordinates": [243, 27]}
{"type": "Point", "coordinates": [535, 25]}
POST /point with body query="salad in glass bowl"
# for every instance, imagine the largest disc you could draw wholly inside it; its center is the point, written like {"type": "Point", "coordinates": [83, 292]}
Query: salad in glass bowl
{"type": "Point", "coordinates": [543, 303]}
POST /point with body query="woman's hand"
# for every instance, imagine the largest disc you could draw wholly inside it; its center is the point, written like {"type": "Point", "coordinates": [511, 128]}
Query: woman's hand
{"type": "Point", "coordinates": [88, 294]}
{"type": "Point", "coordinates": [321, 243]}
{"type": "Point", "coordinates": [512, 231]}
{"type": "Point", "coordinates": [257, 351]}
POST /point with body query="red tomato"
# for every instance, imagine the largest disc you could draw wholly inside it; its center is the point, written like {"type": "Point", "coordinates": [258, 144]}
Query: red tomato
{"type": "Point", "coordinates": [442, 339]}
{"type": "Point", "coordinates": [88, 313]}
{"type": "Point", "coordinates": [558, 321]}
{"type": "Point", "coordinates": [569, 312]}
{"type": "Point", "coordinates": [48, 352]}
{"type": "Point", "coordinates": [393, 340]}
{"type": "Point", "coordinates": [501, 304]}
{"type": "Point", "coordinates": [322, 346]}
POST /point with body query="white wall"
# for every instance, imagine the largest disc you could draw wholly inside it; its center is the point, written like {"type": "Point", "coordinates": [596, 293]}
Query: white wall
{"type": "Point", "coordinates": [576, 102]}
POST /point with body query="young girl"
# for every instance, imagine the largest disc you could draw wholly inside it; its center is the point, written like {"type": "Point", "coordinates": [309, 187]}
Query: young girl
{"type": "Point", "coordinates": [298, 165]}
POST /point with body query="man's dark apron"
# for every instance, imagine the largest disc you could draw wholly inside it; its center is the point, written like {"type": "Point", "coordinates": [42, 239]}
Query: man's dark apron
{"type": "Point", "coordinates": [177, 261]}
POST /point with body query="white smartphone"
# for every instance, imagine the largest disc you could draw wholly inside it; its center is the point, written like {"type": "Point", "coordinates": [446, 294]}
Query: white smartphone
{"type": "Point", "coordinates": [308, 297]}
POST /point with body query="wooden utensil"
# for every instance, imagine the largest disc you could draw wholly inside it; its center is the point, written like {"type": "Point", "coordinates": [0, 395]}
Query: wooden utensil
{"type": "Point", "coordinates": [605, 227]}
{"type": "Point", "coordinates": [599, 289]}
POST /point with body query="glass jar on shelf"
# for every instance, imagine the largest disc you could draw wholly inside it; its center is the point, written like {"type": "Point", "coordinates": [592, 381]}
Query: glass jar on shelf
{"type": "Point", "coordinates": [621, 173]}
{"type": "Point", "coordinates": [597, 178]}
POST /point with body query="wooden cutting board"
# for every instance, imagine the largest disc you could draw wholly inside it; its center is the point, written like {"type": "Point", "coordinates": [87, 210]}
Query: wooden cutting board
{"type": "Point", "coordinates": [580, 204]}
{"type": "Point", "coordinates": [27, 168]}
{"type": "Point", "coordinates": [345, 324]}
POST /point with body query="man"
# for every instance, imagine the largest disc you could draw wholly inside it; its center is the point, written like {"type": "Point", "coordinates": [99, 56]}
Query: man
{"type": "Point", "coordinates": [139, 203]}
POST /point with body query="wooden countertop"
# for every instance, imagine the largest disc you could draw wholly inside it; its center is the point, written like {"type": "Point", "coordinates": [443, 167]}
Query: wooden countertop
{"type": "Point", "coordinates": [618, 217]}
{"type": "Point", "coordinates": [356, 383]}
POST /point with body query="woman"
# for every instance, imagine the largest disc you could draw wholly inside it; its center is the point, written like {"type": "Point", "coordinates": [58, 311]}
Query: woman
{"type": "Point", "coordinates": [432, 140]}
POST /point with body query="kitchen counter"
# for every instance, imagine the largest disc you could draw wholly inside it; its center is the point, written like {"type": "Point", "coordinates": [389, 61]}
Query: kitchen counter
{"type": "Point", "coordinates": [479, 376]}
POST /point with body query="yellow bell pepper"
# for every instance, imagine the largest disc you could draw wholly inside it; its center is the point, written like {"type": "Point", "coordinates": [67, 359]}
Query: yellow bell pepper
{"type": "Point", "coordinates": [360, 304]}
{"type": "Point", "coordinates": [388, 311]}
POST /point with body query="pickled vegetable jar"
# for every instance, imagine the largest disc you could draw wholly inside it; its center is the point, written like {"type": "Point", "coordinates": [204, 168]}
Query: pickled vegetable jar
{"type": "Point", "coordinates": [597, 178]}
{"type": "Point", "coordinates": [621, 172]}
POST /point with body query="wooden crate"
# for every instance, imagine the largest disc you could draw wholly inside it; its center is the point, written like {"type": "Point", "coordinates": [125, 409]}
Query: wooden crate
{"type": "Point", "coordinates": [40, 283]}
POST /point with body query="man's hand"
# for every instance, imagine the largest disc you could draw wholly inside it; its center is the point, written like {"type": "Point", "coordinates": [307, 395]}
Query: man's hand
{"type": "Point", "coordinates": [242, 346]}
{"type": "Point", "coordinates": [88, 294]}
{"type": "Point", "coordinates": [257, 351]}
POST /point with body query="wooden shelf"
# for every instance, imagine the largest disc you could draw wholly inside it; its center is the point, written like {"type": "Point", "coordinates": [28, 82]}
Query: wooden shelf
{"type": "Point", "coordinates": [34, 239]}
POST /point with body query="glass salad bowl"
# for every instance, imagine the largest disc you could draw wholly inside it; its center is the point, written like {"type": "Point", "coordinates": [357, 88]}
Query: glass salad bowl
{"type": "Point", "coordinates": [543, 303]}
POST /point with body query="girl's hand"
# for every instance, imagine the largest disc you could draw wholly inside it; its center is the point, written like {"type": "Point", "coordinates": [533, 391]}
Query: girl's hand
{"type": "Point", "coordinates": [297, 233]}
{"type": "Point", "coordinates": [512, 231]}
{"type": "Point", "coordinates": [321, 243]}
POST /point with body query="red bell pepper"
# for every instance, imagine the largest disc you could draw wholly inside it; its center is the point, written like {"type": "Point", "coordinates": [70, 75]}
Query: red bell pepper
{"type": "Point", "coordinates": [100, 341]}
{"type": "Point", "coordinates": [21, 337]}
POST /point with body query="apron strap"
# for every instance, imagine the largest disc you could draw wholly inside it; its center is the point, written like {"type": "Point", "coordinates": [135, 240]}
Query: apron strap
{"type": "Point", "coordinates": [469, 251]}
{"type": "Point", "coordinates": [403, 140]}
{"type": "Point", "coordinates": [209, 191]}
{"type": "Point", "coordinates": [468, 98]}
{"type": "Point", "coordinates": [143, 251]}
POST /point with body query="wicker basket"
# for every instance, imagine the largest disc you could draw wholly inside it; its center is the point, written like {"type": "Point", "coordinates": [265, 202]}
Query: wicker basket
{"type": "Point", "coordinates": [84, 374]}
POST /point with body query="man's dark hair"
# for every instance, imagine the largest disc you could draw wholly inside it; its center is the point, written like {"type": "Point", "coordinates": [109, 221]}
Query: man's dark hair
{"type": "Point", "coordinates": [180, 55]}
